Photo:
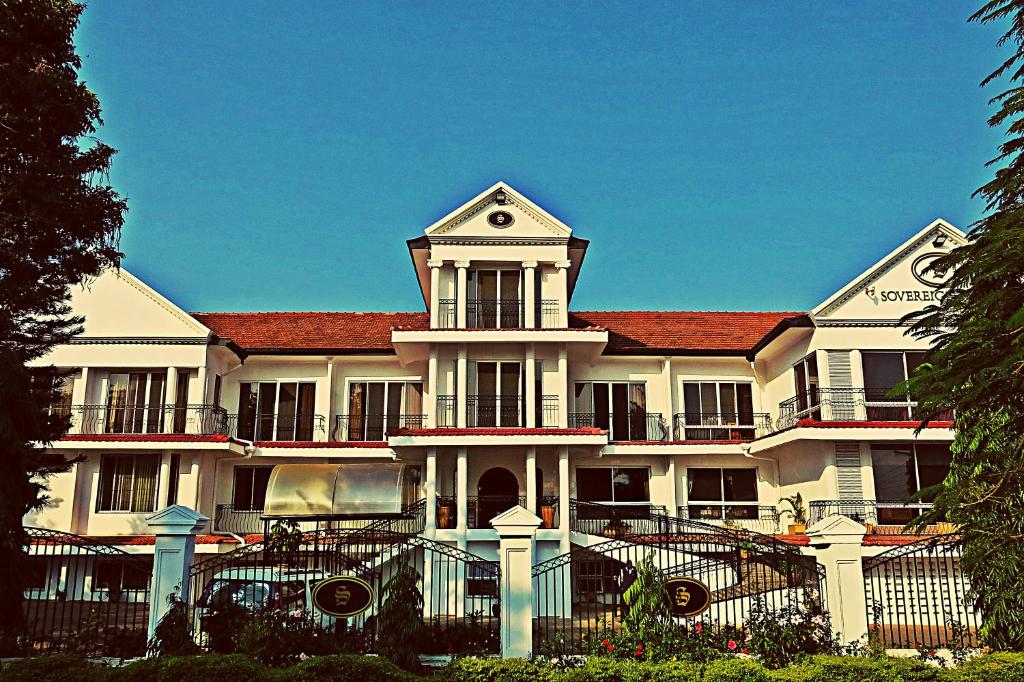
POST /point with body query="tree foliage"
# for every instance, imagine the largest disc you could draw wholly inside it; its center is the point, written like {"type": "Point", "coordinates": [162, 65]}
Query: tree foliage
{"type": "Point", "coordinates": [976, 365]}
{"type": "Point", "coordinates": [60, 224]}
{"type": "Point", "coordinates": [400, 621]}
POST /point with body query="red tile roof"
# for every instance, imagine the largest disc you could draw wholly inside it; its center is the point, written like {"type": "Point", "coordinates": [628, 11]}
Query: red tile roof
{"type": "Point", "coordinates": [816, 424]}
{"type": "Point", "coordinates": [630, 332]}
{"type": "Point", "coordinates": [643, 332]}
{"type": "Point", "coordinates": [148, 437]}
{"type": "Point", "coordinates": [505, 431]}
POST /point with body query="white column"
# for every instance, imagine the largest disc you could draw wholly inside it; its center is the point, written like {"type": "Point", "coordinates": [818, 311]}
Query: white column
{"type": "Point", "coordinates": [431, 489]}
{"type": "Point", "coordinates": [170, 399]}
{"type": "Point", "coordinates": [80, 398]}
{"type": "Point", "coordinates": [563, 386]}
{"type": "Point", "coordinates": [460, 293]}
{"type": "Point", "coordinates": [201, 381]}
{"type": "Point", "coordinates": [435, 291]}
{"type": "Point", "coordinates": [517, 531]}
{"type": "Point", "coordinates": [175, 528]}
{"type": "Point", "coordinates": [531, 478]}
{"type": "Point", "coordinates": [563, 498]}
{"type": "Point", "coordinates": [563, 292]}
{"type": "Point", "coordinates": [461, 491]}
{"type": "Point", "coordinates": [530, 294]}
{"type": "Point", "coordinates": [322, 403]}
{"type": "Point", "coordinates": [860, 410]}
{"type": "Point", "coordinates": [673, 503]}
{"type": "Point", "coordinates": [836, 541]}
{"type": "Point", "coordinates": [666, 382]}
{"type": "Point", "coordinates": [163, 480]}
{"type": "Point", "coordinates": [430, 406]}
{"type": "Point", "coordinates": [461, 391]}
{"type": "Point", "coordinates": [530, 389]}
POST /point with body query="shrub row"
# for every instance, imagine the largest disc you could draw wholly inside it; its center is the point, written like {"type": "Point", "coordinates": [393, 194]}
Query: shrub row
{"type": "Point", "coordinates": [996, 667]}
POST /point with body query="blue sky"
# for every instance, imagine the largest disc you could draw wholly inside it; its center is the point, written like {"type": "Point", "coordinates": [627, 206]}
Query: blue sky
{"type": "Point", "coordinates": [718, 155]}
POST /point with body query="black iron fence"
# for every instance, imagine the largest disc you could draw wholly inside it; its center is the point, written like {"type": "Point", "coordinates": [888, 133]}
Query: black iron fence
{"type": "Point", "coordinates": [761, 518]}
{"type": "Point", "coordinates": [848, 404]}
{"type": "Point", "coordinates": [624, 426]}
{"type": "Point", "coordinates": [278, 426]}
{"type": "Point", "coordinates": [84, 597]}
{"type": "Point", "coordinates": [730, 426]}
{"type": "Point", "coordinates": [502, 313]}
{"type": "Point", "coordinates": [917, 595]}
{"type": "Point", "coordinates": [868, 512]}
{"type": "Point", "coordinates": [500, 411]}
{"type": "Point", "coordinates": [578, 596]}
{"type": "Point", "coordinates": [146, 419]}
{"type": "Point", "coordinates": [373, 427]}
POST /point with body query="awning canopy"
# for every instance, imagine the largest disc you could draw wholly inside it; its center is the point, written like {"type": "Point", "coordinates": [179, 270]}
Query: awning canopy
{"type": "Point", "coordinates": [352, 490]}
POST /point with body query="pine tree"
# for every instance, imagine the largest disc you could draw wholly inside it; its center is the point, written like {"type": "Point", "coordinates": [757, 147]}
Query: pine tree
{"type": "Point", "coordinates": [976, 366]}
{"type": "Point", "coordinates": [60, 224]}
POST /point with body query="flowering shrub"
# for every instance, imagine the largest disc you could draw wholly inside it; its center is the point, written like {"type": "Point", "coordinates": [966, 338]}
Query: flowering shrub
{"type": "Point", "coordinates": [279, 637]}
{"type": "Point", "coordinates": [778, 638]}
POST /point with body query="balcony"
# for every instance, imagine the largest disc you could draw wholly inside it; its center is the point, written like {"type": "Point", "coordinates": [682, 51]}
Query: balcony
{"type": "Point", "coordinates": [228, 519]}
{"type": "Point", "coordinates": [617, 520]}
{"type": "Point", "coordinates": [846, 404]}
{"type": "Point", "coordinates": [372, 427]}
{"type": "Point", "coordinates": [731, 426]}
{"type": "Point", "coordinates": [496, 412]}
{"type": "Point", "coordinates": [624, 426]}
{"type": "Point", "coordinates": [146, 419]}
{"type": "Point", "coordinates": [760, 518]}
{"type": "Point", "coordinates": [882, 517]}
{"type": "Point", "coordinates": [278, 426]}
{"type": "Point", "coordinates": [505, 313]}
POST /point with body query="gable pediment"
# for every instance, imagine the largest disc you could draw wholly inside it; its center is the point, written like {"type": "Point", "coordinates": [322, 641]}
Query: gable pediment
{"type": "Point", "coordinates": [498, 214]}
{"type": "Point", "coordinates": [899, 284]}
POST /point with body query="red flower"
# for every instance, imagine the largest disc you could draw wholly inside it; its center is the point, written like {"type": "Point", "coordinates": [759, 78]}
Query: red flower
{"type": "Point", "coordinates": [744, 650]}
{"type": "Point", "coordinates": [638, 652]}
{"type": "Point", "coordinates": [699, 627]}
{"type": "Point", "coordinates": [931, 652]}
{"type": "Point", "coordinates": [604, 642]}
{"type": "Point", "coordinates": [611, 648]}
{"type": "Point", "coordinates": [732, 645]}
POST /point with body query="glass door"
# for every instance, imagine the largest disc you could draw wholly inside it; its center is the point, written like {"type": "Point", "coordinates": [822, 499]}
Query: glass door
{"type": "Point", "coordinates": [135, 402]}
{"type": "Point", "coordinates": [496, 301]}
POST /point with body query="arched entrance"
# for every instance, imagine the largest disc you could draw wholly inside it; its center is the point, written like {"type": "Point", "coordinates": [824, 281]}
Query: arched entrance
{"type": "Point", "coordinates": [496, 491]}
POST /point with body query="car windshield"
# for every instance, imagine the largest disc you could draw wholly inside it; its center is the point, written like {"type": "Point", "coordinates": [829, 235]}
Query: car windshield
{"type": "Point", "coordinates": [253, 595]}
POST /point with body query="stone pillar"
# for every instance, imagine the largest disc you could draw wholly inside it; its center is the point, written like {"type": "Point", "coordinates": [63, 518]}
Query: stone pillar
{"type": "Point", "coordinates": [531, 478]}
{"type": "Point", "coordinates": [673, 502]}
{"type": "Point", "coordinates": [430, 399]}
{"type": "Point", "coordinates": [860, 410]}
{"type": "Point", "coordinates": [164, 477]}
{"type": "Point", "coordinates": [563, 498]}
{"type": "Point", "coordinates": [170, 399]}
{"type": "Point", "coordinates": [517, 530]}
{"type": "Point", "coordinates": [837, 543]}
{"type": "Point", "coordinates": [461, 388]}
{"type": "Point", "coordinates": [430, 486]}
{"type": "Point", "coordinates": [435, 292]}
{"type": "Point", "coordinates": [530, 389]}
{"type": "Point", "coordinates": [563, 386]}
{"type": "Point", "coordinates": [530, 295]}
{"type": "Point", "coordinates": [563, 293]}
{"type": "Point", "coordinates": [460, 293]}
{"type": "Point", "coordinates": [461, 491]}
{"type": "Point", "coordinates": [175, 528]}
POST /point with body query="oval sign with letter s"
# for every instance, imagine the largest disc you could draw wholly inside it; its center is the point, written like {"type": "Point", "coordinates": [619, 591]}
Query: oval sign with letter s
{"type": "Point", "coordinates": [924, 273]}
{"type": "Point", "coordinates": [342, 596]}
{"type": "Point", "coordinates": [689, 597]}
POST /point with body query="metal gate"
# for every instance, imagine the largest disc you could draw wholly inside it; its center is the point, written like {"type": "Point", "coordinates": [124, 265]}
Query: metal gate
{"type": "Point", "coordinates": [84, 597]}
{"type": "Point", "coordinates": [459, 589]}
{"type": "Point", "coordinates": [578, 596]}
{"type": "Point", "coordinates": [917, 595]}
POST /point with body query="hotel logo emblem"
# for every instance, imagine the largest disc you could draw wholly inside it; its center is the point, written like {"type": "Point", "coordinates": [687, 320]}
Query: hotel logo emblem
{"type": "Point", "coordinates": [690, 597]}
{"type": "Point", "coordinates": [342, 596]}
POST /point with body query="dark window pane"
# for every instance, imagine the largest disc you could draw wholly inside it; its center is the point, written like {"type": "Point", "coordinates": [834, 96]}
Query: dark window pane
{"type": "Point", "coordinates": [260, 479]}
{"type": "Point", "coordinates": [745, 403]}
{"type": "Point", "coordinates": [882, 371]}
{"type": "Point", "coordinates": [893, 470]}
{"type": "Point", "coordinates": [305, 417]}
{"type": "Point", "coordinates": [267, 409]}
{"type": "Point", "coordinates": [594, 484]}
{"type": "Point", "coordinates": [932, 463]}
{"type": "Point", "coordinates": [691, 402]}
{"type": "Point", "coordinates": [286, 411]}
{"type": "Point", "coordinates": [740, 485]}
{"type": "Point", "coordinates": [243, 488]}
{"type": "Point", "coordinates": [704, 485]}
{"type": "Point", "coordinates": [631, 484]}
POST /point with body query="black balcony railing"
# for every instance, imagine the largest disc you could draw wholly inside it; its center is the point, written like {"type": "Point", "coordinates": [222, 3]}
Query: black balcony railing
{"type": "Point", "coordinates": [227, 519]}
{"type": "Point", "coordinates": [372, 427]}
{"type": "Point", "coordinates": [502, 313]}
{"type": "Point", "coordinates": [846, 404]}
{"type": "Point", "coordinates": [282, 426]}
{"type": "Point", "coordinates": [624, 426]}
{"type": "Point", "coordinates": [139, 419]}
{"type": "Point", "coordinates": [547, 509]}
{"type": "Point", "coordinates": [447, 415]}
{"type": "Point", "coordinates": [617, 519]}
{"type": "Point", "coordinates": [480, 509]}
{"type": "Point", "coordinates": [498, 411]}
{"type": "Point", "coordinates": [547, 315]}
{"type": "Point", "coordinates": [875, 513]}
{"type": "Point", "coordinates": [761, 518]}
{"type": "Point", "coordinates": [720, 425]}
{"type": "Point", "coordinates": [447, 313]}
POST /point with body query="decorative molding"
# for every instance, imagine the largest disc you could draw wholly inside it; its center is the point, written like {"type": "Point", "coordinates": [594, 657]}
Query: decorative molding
{"type": "Point", "coordinates": [462, 264]}
{"type": "Point", "coordinates": [860, 323]}
{"type": "Point", "coordinates": [435, 263]}
{"type": "Point", "coordinates": [140, 340]}
{"type": "Point", "coordinates": [488, 200]}
{"type": "Point", "coordinates": [563, 264]}
{"type": "Point", "coordinates": [501, 241]}
{"type": "Point", "coordinates": [529, 264]}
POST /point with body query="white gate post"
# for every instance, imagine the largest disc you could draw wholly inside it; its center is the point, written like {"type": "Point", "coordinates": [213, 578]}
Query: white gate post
{"type": "Point", "coordinates": [837, 544]}
{"type": "Point", "coordinates": [175, 528]}
{"type": "Point", "coordinates": [517, 530]}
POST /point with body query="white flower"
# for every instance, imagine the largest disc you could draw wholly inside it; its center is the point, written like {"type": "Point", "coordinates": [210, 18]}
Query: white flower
{"type": "Point", "coordinates": [303, 656]}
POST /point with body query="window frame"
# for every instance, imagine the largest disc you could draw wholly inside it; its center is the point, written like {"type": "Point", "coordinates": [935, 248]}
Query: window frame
{"type": "Point", "coordinates": [105, 460]}
{"type": "Point", "coordinates": [252, 489]}
{"type": "Point", "coordinates": [406, 381]}
{"type": "Point", "coordinates": [611, 473]}
{"type": "Point", "coordinates": [723, 505]}
{"type": "Point", "coordinates": [257, 411]}
{"type": "Point", "coordinates": [913, 458]}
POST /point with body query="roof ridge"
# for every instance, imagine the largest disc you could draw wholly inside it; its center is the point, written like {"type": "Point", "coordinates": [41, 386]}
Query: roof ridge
{"type": "Point", "coordinates": [308, 312]}
{"type": "Point", "coordinates": [742, 312]}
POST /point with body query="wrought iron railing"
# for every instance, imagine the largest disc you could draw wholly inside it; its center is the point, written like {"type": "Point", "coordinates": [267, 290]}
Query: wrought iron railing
{"type": "Point", "coordinates": [720, 425]}
{"type": "Point", "coordinates": [287, 426]}
{"type": "Point", "coordinates": [761, 518]}
{"type": "Point", "coordinates": [500, 411]}
{"type": "Point", "coordinates": [145, 419]}
{"type": "Point", "coordinates": [227, 519]}
{"type": "Point", "coordinates": [630, 426]}
{"type": "Point", "coordinates": [447, 313]}
{"type": "Point", "coordinates": [502, 313]}
{"type": "Point", "coordinates": [548, 313]}
{"type": "Point", "coordinates": [480, 509]}
{"type": "Point", "coordinates": [868, 512]}
{"type": "Point", "coordinates": [847, 404]}
{"type": "Point", "coordinates": [616, 520]}
{"type": "Point", "coordinates": [372, 427]}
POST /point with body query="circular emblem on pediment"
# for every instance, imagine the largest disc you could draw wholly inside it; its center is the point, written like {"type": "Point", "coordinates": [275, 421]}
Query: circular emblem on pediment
{"type": "Point", "coordinates": [500, 219]}
{"type": "Point", "coordinates": [924, 273]}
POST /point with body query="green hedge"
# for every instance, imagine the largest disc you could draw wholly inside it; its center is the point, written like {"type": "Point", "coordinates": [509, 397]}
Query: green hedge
{"type": "Point", "coordinates": [994, 667]}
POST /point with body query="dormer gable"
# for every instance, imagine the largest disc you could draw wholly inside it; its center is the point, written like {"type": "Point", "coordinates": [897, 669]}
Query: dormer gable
{"type": "Point", "coordinates": [499, 213]}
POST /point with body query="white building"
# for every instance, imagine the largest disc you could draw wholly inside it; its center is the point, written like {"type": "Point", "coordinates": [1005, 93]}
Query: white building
{"type": "Point", "coordinates": [499, 394]}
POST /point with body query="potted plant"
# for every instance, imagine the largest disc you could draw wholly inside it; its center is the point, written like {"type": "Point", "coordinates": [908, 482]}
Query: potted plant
{"type": "Point", "coordinates": [446, 514]}
{"type": "Point", "coordinates": [547, 513]}
{"type": "Point", "coordinates": [799, 514]}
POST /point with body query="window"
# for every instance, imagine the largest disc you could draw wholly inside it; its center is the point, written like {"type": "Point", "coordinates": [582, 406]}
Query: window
{"type": "Point", "coordinates": [882, 372]}
{"type": "Point", "coordinates": [616, 485]}
{"type": "Point", "coordinates": [173, 473]}
{"type": "Point", "coordinates": [181, 401]}
{"type": "Point", "coordinates": [805, 373]}
{"type": "Point", "coordinates": [276, 411]}
{"type": "Point", "coordinates": [712, 403]}
{"type": "Point", "coordinates": [128, 483]}
{"type": "Point", "coordinates": [122, 575]}
{"type": "Point", "coordinates": [900, 471]}
{"type": "Point", "coordinates": [59, 386]}
{"type": "Point", "coordinates": [619, 407]}
{"type": "Point", "coordinates": [250, 492]}
{"type": "Point", "coordinates": [731, 489]}
{"type": "Point", "coordinates": [481, 580]}
{"type": "Point", "coordinates": [596, 576]}
{"type": "Point", "coordinates": [376, 408]}
{"type": "Point", "coordinates": [494, 299]}
{"type": "Point", "coordinates": [498, 391]}
{"type": "Point", "coordinates": [135, 402]}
